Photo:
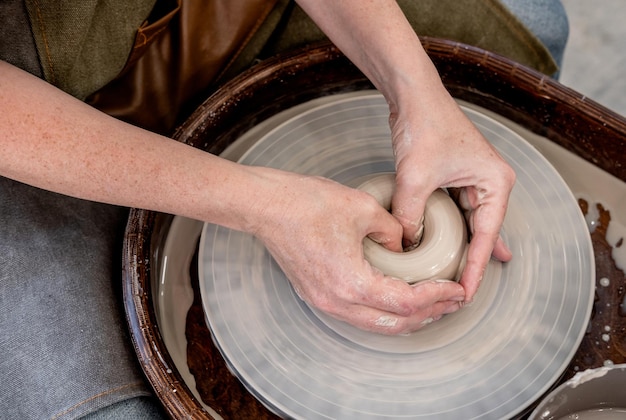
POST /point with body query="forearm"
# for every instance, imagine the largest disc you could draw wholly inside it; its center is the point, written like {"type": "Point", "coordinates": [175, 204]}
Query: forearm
{"type": "Point", "coordinates": [53, 141]}
{"type": "Point", "coordinates": [376, 36]}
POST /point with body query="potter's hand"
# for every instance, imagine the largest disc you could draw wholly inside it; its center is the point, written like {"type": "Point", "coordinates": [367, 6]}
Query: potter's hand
{"type": "Point", "coordinates": [314, 228]}
{"type": "Point", "coordinates": [437, 146]}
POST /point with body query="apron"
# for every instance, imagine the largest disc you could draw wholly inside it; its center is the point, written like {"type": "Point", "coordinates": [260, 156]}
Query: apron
{"type": "Point", "coordinates": [151, 64]}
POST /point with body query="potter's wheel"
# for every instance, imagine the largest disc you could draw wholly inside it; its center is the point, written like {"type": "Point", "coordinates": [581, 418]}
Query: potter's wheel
{"type": "Point", "coordinates": [490, 360]}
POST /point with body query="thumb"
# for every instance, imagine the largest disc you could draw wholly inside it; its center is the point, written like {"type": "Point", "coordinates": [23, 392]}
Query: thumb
{"type": "Point", "coordinates": [386, 231]}
{"type": "Point", "coordinates": [407, 206]}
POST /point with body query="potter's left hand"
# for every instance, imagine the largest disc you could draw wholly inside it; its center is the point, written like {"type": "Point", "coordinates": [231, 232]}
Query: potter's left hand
{"type": "Point", "coordinates": [436, 146]}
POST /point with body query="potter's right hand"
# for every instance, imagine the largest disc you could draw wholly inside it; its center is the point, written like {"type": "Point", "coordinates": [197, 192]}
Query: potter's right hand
{"type": "Point", "coordinates": [314, 228]}
{"type": "Point", "coordinates": [437, 146]}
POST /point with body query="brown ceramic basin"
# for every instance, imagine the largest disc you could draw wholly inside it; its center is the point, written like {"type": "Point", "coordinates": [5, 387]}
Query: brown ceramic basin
{"type": "Point", "coordinates": [524, 96]}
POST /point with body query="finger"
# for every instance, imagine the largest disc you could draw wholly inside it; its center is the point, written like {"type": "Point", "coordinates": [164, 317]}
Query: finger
{"type": "Point", "coordinates": [486, 211]}
{"type": "Point", "coordinates": [398, 297]}
{"type": "Point", "coordinates": [501, 251]}
{"type": "Point", "coordinates": [439, 290]}
{"type": "Point", "coordinates": [386, 230]}
{"type": "Point", "coordinates": [435, 312]}
{"type": "Point", "coordinates": [407, 206]}
{"type": "Point", "coordinates": [484, 225]}
{"type": "Point", "coordinates": [389, 235]}
{"type": "Point", "coordinates": [478, 256]}
{"type": "Point", "coordinates": [389, 323]}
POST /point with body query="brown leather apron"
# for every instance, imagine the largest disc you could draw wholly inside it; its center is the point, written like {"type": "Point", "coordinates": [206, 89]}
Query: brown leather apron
{"type": "Point", "coordinates": [177, 58]}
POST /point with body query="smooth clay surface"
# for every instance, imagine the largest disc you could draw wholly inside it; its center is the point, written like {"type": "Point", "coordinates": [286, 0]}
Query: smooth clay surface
{"type": "Point", "coordinates": [442, 247]}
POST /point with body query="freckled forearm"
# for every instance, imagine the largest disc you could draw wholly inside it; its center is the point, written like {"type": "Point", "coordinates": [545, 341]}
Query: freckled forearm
{"type": "Point", "coordinates": [376, 36]}
{"type": "Point", "coordinates": [55, 142]}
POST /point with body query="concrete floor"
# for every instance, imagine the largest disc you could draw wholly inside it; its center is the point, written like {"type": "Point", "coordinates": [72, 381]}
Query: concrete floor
{"type": "Point", "coordinates": [595, 57]}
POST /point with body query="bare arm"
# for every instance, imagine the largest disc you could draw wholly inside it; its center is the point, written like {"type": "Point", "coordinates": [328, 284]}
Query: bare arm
{"type": "Point", "coordinates": [434, 143]}
{"type": "Point", "coordinates": [56, 142]}
{"type": "Point", "coordinates": [53, 141]}
{"type": "Point", "coordinates": [376, 36]}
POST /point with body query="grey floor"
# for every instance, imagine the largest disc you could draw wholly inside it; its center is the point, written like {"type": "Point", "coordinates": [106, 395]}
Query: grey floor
{"type": "Point", "coordinates": [595, 56]}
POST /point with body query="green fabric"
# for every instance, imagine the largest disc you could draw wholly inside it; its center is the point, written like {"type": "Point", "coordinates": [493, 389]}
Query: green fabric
{"type": "Point", "coordinates": [482, 23]}
{"type": "Point", "coordinates": [82, 45]}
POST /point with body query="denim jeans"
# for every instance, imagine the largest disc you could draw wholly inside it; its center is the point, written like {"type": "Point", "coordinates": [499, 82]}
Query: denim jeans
{"type": "Point", "coordinates": [546, 19]}
{"type": "Point", "coordinates": [63, 337]}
